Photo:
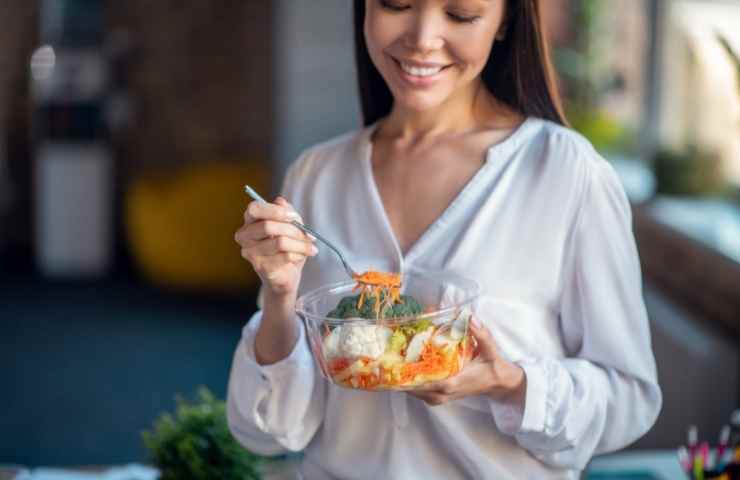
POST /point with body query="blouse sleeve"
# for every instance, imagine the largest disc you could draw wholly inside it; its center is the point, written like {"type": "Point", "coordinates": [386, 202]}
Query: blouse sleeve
{"type": "Point", "coordinates": [272, 409]}
{"type": "Point", "coordinates": [605, 395]}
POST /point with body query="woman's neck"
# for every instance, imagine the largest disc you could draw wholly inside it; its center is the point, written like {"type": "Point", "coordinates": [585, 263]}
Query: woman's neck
{"type": "Point", "coordinates": [467, 111]}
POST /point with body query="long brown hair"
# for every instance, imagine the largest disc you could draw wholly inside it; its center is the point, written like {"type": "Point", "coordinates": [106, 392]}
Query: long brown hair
{"type": "Point", "coordinates": [519, 71]}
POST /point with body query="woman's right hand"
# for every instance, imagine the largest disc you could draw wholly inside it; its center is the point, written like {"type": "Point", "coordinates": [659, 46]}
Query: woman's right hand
{"type": "Point", "coordinates": [276, 249]}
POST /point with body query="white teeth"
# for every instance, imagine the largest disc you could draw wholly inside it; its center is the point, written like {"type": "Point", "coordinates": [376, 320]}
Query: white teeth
{"type": "Point", "coordinates": [420, 72]}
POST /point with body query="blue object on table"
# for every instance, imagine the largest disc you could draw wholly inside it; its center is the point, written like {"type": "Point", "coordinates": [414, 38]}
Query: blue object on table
{"type": "Point", "coordinates": [621, 476]}
{"type": "Point", "coordinates": [636, 465]}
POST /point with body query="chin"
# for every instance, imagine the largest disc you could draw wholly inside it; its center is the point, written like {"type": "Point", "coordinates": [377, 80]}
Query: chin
{"type": "Point", "coordinates": [419, 103]}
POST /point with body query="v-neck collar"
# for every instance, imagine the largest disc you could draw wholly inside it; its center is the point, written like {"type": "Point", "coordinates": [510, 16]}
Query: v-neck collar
{"type": "Point", "coordinates": [495, 154]}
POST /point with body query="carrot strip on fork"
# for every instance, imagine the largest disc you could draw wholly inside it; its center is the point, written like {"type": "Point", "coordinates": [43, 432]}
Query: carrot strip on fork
{"type": "Point", "coordinates": [380, 285]}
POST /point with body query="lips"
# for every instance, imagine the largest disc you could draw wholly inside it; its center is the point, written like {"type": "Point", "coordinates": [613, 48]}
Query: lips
{"type": "Point", "coordinates": [420, 71]}
{"type": "Point", "coordinates": [419, 74]}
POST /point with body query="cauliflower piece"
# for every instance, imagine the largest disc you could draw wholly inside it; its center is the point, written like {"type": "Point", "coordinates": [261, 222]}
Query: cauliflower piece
{"type": "Point", "coordinates": [416, 345]}
{"type": "Point", "coordinates": [363, 340]}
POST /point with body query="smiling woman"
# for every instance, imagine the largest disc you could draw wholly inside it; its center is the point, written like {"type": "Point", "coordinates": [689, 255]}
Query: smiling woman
{"type": "Point", "coordinates": [497, 42]}
{"type": "Point", "coordinates": [464, 164]}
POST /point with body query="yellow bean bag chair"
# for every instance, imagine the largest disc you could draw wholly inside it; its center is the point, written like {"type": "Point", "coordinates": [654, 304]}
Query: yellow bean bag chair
{"type": "Point", "coordinates": [181, 226]}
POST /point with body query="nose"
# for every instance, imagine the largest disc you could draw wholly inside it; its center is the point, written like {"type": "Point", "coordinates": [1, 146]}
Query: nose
{"type": "Point", "coordinates": [425, 34]}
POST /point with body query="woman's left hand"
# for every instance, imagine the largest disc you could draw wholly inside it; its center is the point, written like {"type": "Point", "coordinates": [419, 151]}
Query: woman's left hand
{"type": "Point", "coordinates": [488, 373]}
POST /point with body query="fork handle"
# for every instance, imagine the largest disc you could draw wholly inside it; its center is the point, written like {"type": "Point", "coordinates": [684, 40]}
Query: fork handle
{"type": "Point", "coordinates": [313, 232]}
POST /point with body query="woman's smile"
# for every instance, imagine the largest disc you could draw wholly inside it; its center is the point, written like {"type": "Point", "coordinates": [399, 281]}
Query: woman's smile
{"type": "Point", "coordinates": [419, 74]}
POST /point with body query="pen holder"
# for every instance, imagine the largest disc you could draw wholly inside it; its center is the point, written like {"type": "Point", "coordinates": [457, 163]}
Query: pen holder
{"type": "Point", "coordinates": [711, 464]}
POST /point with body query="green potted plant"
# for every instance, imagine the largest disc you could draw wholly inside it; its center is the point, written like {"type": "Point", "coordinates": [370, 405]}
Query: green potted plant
{"type": "Point", "coordinates": [690, 172]}
{"type": "Point", "coordinates": [195, 443]}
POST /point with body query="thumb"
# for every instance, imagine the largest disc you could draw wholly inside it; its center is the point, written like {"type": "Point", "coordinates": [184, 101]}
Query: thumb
{"type": "Point", "coordinates": [486, 347]}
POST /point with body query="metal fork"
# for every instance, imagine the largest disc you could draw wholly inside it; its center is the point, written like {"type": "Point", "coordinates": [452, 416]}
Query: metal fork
{"type": "Point", "coordinates": [250, 191]}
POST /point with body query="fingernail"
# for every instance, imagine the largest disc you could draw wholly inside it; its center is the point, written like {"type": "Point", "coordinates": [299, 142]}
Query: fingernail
{"type": "Point", "coordinates": [313, 239]}
{"type": "Point", "coordinates": [314, 250]}
{"type": "Point", "coordinates": [475, 321]}
{"type": "Point", "coordinates": [293, 216]}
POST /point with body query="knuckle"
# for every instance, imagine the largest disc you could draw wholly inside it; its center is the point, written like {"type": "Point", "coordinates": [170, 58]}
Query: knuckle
{"type": "Point", "coordinates": [297, 233]}
{"type": "Point", "coordinates": [262, 229]}
{"type": "Point", "coordinates": [447, 387]}
{"type": "Point", "coordinates": [281, 244]}
{"type": "Point", "coordinates": [436, 400]}
{"type": "Point", "coordinates": [269, 228]}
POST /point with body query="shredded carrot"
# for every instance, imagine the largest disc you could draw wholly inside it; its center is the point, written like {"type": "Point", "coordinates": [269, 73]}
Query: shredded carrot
{"type": "Point", "coordinates": [379, 285]}
{"type": "Point", "coordinates": [432, 361]}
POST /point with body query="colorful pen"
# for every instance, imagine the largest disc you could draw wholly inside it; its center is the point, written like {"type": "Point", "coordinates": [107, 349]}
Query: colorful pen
{"type": "Point", "coordinates": [683, 459]}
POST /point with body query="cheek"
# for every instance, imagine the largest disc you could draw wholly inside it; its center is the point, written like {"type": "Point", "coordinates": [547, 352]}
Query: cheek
{"type": "Point", "coordinates": [379, 32]}
{"type": "Point", "coordinates": [376, 42]}
{"type": "Point", "coordinates": [472, 51]}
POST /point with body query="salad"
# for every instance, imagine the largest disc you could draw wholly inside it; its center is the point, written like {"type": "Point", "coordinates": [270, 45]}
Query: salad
{"type": "Point", "coordinates": [387, 343]}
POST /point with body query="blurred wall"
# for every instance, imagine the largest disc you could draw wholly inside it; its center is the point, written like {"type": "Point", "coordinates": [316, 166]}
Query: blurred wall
{"type": "Point", "coordinates": [315, 91]}
{"type": "Point", "coordinates": [18, 32]}
{"type": "Point", "coordinates": [17, 37]}
{"type": "Point", "coordinates": [201, 79]}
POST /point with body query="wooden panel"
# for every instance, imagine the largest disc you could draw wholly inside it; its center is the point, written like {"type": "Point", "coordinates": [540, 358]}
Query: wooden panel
{"type": "Point", "coordinates": [692, 274]}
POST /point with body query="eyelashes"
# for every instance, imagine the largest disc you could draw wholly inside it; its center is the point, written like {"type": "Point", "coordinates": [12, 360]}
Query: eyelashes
{"type": "Point", "coordinates": [393, 7]}
{"type": "Point", "coordinates": [455, 17]}
{"type": "Point", "coordinates": [462, 19]}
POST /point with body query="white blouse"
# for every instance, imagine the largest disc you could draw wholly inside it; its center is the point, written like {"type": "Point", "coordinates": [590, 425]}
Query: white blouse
{"type": "Point", "coordinates": [544, 226]}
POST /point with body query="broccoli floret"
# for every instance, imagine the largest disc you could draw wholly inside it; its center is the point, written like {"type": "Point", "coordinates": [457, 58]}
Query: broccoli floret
{"type": "Point", "coordinates": [406, 308]}
{"type": "Point", "coordinates": [347, 308]}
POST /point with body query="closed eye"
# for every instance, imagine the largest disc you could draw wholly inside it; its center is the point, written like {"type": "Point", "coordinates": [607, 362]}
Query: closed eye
{"type": "Point", "coordinates": [461, 18]}
{"type": "Point", "coordinates": [393, 7]}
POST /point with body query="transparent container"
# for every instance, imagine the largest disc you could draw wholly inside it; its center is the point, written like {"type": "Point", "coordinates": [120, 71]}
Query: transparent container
{"type": "Point", "coordinates": [393, 353]}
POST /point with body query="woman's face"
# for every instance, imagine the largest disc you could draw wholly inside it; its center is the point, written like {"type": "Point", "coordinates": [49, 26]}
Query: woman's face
{"type": "Point", "coordinates": [430, 50]}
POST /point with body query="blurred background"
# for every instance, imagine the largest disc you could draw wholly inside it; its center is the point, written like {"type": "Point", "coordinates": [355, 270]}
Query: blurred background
{"type": "Point", "coordinates": [127, 130]}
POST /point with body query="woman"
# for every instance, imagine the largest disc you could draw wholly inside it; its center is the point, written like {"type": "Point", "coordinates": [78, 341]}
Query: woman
{"type": "Point", "coordinates": [464, 163]}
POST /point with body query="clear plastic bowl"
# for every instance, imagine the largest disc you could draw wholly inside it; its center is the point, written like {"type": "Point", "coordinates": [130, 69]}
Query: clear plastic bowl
{"type": "Point", "coordinates": [396, 353]}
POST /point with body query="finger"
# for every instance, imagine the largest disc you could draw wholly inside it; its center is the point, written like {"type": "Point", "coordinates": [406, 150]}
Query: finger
{"type": "Point", "coordinates": [269, 265]}
{"type": "Point", "coordinates": [274, 265]}
{"type": "Point", "coordinates": [281, 201]}
{"type": "Point", "coordinates": [270, 211]}
{"type": "Point", "coordinates": [277, 245]}
{"type": "Point", "coordinates": [486, 345]}
{"type": "Point", "coordinates": [261, 230]}
{"type": "Point", "coordinates": [450, 387]}
{"type": "Point", "coordinates": [430, 398]}
{"type": "Point", "coordinates": [284, 203]}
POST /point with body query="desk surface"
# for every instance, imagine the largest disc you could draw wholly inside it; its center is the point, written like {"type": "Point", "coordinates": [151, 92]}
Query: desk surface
{"type": "Point", "coordinates": [279, 470]}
